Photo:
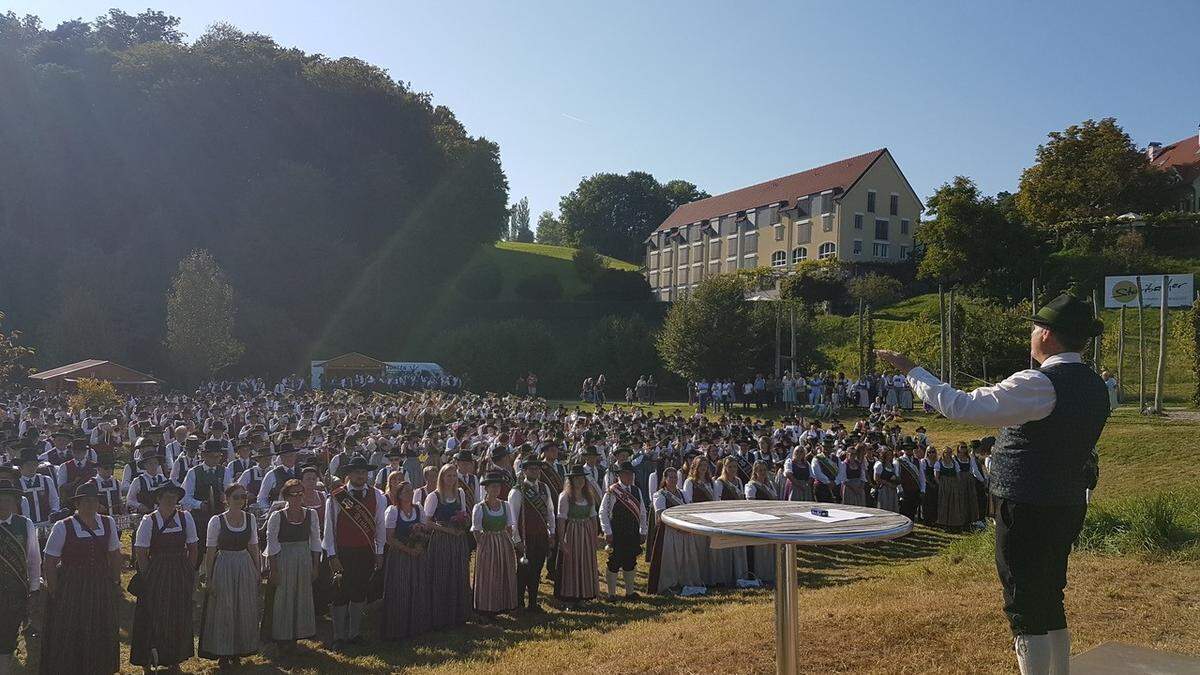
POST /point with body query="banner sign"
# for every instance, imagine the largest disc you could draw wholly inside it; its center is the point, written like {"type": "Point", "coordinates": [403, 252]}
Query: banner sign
{"type": "Point", "coordinates": [1122, 291]}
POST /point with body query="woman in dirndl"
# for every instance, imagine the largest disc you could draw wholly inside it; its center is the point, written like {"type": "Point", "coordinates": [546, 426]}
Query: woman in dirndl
{"type": "Point", "coordinates": [165, 548]}
{"type": "Point", "coordinates": [728, 564]}
{"type": "Point", "coordinates": [576, 577]}
{"type": "Point", "coordinates": [449, 552]}
{"type": "Point", "coordinates": [83, 574]}
{"type": "Point", "coordinates": [314, 498]}
{"type": "Point", "coordinates": [852, 475]}
{"type": "Point", "coordinates": [798, 473]}
{"type": "Point", "coordinates": [676, 556]}
{"type": "Point", "coordinates": [229, 624]}
{"type": "Point", "coordinates": [293, 552]}
{"type": "Point", "coordinates": [762, 562]}
{"type": "Point", "coordinates": [407, 595]}
{"type": "Point", "coordinates": [956, 490]}
{"type": "Point", "coordinates": [492, 523]}
{"type": "Point", "coordinates": [887, 479]}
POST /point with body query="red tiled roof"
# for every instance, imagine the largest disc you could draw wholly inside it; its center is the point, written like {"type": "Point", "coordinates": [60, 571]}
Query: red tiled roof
{"type": "Point", "coordinates": [841, 174]}
{"type": "Point", "coordinates": [1183, 155]}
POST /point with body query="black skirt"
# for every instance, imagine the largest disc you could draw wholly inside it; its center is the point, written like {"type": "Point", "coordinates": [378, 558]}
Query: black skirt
{"type": "Point", "coordinates": [162, 620]}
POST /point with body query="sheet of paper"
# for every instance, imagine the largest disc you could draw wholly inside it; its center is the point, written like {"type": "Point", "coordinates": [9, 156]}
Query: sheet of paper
{"type": "Point", "coordinates": [835, 515]}
{"type": "Point", "coordinates": [725, 517]}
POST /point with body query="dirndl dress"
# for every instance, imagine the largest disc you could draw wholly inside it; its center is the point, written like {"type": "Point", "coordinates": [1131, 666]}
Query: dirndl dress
{"type": "Point", "coordinates": [81, 629]}
{"type": "Point", "coordinates": [676, 557]}
{"type": "Point", "coordinates": [496, 564]}
{"type": "Point", "coordinates": [577, 577]}
{"type": "Point", "coordinates": [449, 564]}
{"type": "Point", "coordinates": [229, 622]}
{"type": "Point", "coordinates": [854, 492]}
{"type": "Point", "coordinates": [885, 492]}
{"type": "Point", "coordinates": [956, 495]}
{"type": "Point", "coordinates": [290, 613]}
{"type": "Point", "coordinates": [407, 593]}
{"type": "Point", "coordinates": [162, 619]}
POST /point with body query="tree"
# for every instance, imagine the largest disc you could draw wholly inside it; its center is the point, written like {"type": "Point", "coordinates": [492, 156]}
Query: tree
{"type": "Point", "coordinates": [1088, 170]}
{"type": "Point", "coordinates": [967, 240]}
{"type": "Point", "coordinates": [815, 282]}
{"type": "Point", "coordinates": [588, 264]}
{"type": "Point", "coordinates": [90, 393]}
{"type": "Point", "coordinates": [875, 289]}
{"type": "Point", "coordinates": [614, 213]}
{"type": "Point", "coordinates": [518, 221]}
{"type": "Point", "coordinates": [540, 287]}
{"type": "Point", "coordinates": [550, 230]}
{"type": "Point", "coordinates": [12, 353]}
{"type": "Point", "coordinates": [200, 318]}
{"type": "Point", "coordinates": [480, 282]}
{"type": "Point", "coordinates": [620, 286]}
{"type": "Point", "coordinates": [715, 332]}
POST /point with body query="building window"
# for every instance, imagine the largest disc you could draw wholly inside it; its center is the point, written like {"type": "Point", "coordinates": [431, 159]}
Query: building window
{"type": "Point", "coordinates": [858, 247]}
{"type": "Point", "coordinates": [778, 231]}
{"type": "Point", "coordinates": [870, 201]}
{"type": "Point", "coordinates": [803, 208]}
{"type": "Point", "coordinates": [903, 226]}
{"type": "Point", "coordinates": [894, 205]}
{"type": "Point", "coordinates": [714, 249]}
{"type": "Point", "coordinates": [803, 233]}
{"type": "Point", "coordinates": [799, 253]}
{"type": "Point", "coordinates": [881, 249]}
{"type": "Point", "coordinates": [779, 259]}
{"type": "Point", "coordinates": [858, 221]}
{"type": "Point", "coordinates": [749, 241]}
{"type": "Point", "coordinates": [827, 222]}
{"type": "Point", "coordinates": [881, 229]}
{"type": "Point", "coordinates": [827, 203]}
{"type": "Point", "coordinates": [827, 250]}
{"type": "Point", "coordinates": [748, 221]}
{"type": "Point", "coordinates": [904, 253]}
{"type": "Point", "coordinates": [749, 261]}
{"type": "Point", "coordinates": [683, 256]}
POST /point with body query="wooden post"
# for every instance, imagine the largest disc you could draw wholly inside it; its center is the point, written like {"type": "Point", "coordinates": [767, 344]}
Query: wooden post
{"type": "Point", "coordinates": [1160, 377]}
{"type": "Point", "coordinates": [942, 330]}
{"type": "Point", "coordinates": [1121, 356]}
{"type": "Point", "coordinates": [950, 339]}
{"type": "Point", "coordinates": [778, 343]}
{"type": "Point", "coordinates": [862, 356]}
{"type": "Point", "coordinates": [1032, 307]}
{"type": "Point", "coordinates": [1141, 347]}
{"type": "Point", "coordinates": [1098, 341]}
{"type": "Point", "coordinates": [792, 321]}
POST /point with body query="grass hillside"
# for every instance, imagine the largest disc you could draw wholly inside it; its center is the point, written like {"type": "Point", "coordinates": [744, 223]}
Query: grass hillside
{"type": "Point", "coordinates": [517, 260]}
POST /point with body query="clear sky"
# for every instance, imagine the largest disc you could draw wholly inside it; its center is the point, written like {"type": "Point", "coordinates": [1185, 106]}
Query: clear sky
{"type": "Point", "coordinates": [726, 94]}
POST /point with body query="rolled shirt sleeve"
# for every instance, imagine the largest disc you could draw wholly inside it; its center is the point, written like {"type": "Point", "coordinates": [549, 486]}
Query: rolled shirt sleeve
{"type": "Point", "coordinates": [1024, 396]}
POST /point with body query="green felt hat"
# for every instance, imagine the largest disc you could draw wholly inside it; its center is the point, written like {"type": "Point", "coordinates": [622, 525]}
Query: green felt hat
{"type": "Point", "coordinates": [1069, 315]}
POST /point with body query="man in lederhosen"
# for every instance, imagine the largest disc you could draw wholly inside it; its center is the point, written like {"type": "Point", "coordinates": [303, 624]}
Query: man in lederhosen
{"type": "Point", "coordinates": [1042, 467]}
{"type": "Point", "coordinates": [553, 474]}
{"type": "Point", "coordinates": [273, 482]}
{"type": "Point", "coordinates": [108, 488]}
{"type": "Point", "coordinates": [623, 521]}
{"type": "Point", "coordinates": [533, 511]}
{"type": "Point", "coordinates": [20, 569]}
{"type": "Point", "coordinates": [912, 481]}
{"type": "Point", "coordinates": [39, 489]}
{"type": "Point", "coordinates": [353, 543]}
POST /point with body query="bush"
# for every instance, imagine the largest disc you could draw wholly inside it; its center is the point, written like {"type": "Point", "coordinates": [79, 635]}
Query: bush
{"type": "Point", "coordinates": [588, 264]}
{"type": "Point", "coordinates": [815, 281]}
{"type": "Point", "coordinates": [91, 393]}
{"type": "Point", "coordinates": [542, 287]}
{"type": "Point", "coordinates": [875, 289]}
{"type": "Point", "coordinates": [620, 286]}
{"type": "Point", "coordinates": [483, 281]}
{"type": "Point", "coordinates": [491, 355]}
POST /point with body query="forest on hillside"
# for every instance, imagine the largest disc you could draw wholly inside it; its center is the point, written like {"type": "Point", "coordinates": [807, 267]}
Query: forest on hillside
{"type": "Point", "coordinates": [336, 199]}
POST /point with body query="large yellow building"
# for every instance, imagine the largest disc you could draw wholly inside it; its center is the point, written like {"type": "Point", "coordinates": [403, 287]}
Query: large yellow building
{"type": "Point", "coordinates": [859, 209]}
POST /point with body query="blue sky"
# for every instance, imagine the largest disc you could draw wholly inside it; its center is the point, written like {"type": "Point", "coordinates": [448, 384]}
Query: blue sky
{"type": "Point", "coordinates": [726, 94]}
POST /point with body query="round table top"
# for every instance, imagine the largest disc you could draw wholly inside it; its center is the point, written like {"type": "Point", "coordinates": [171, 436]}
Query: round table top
{"type": "Point", "coordinates": [747, 522]}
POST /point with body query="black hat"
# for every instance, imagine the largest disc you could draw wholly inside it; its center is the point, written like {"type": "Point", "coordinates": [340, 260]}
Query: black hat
{"type": "Point", "coordinates": [169, 486]}
{"type": "Point", "coordinates": [192, 441]}
{"type": "Point", "coordinates": [61, 434]}
{"type": "Point", "coordinates": [306, 467]}
{"type": "Point", "coordinates": [575, 470]}
{"type": "Point", "coordinates": [590, 451]}
{"type": "Point", "coordinates": [394, 453]}
{"type": "Point", "coordinates": [106, 460]}
{"type": "Point", "coordinates": [80, 444]}
{"type": "Point", "coordinates": [532, 462]}
{"type": "Point", "coordinates": [1070, 316]}
{"type": "Point", "coordinates": [920, 430]}
{"type": "Point", "coordinates": [625, 466]}
{"type": "Point", "coordinates": [356, 463]}
{"type": "Point", "coordinates": [284, 448]}
{"type": "Point", "coordinates": [10, 487]}
{"type": "Point", "coordinates": [85, 489]}
{"type": "Point", "coordinates": [907, 443]}
{"type": "Point", "coordinates": [622, 448]}
{"type": "Point", "coordinates": [500, 451]}
{"type": "Point", "coordinates": [28, 454]}
{"type": "Point", "coordinates": [464, 456]}
{"type": "Point", "coordinates": [140, 457]}
{"type": "Point", "coordinates": [214, 445]}
{"type": "Point", "coordinates": [494, 477]}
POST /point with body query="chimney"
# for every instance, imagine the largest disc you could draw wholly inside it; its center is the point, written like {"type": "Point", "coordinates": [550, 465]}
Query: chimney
{"type": "Point", "coordinates": [1152, 150]}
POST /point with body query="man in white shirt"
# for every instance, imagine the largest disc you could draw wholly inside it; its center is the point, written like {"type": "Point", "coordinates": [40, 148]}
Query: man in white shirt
{"type": "Point", "coordinates": [1042, 466]}
{"type": "Point", "coordinates": [623, 521]}
{"type": "Point", "coordinates": [353, 542]}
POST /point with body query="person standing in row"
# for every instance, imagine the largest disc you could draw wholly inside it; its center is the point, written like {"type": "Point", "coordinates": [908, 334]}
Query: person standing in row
{"type": "Point", "coordinates": [353, 541]}
{"type": "Point", "coordinates": [20, 569]}
{"type": "Point", "coordinates": [449, 551]}
{"type": "Point", "coordinates": [407, 594]}
{"type": "Point", "coordinates": [575, 579]}
{"type": "Point", "coordinates": [492, 524]}
{"type": "Point", "coordinates": [229, 624]}
{"type": "Point", "coordinates": [293, 554]}
{"type": "Point", "coordinates": [83, 576]}
{"type": "Point", "coordinates": [165, 547]}
{"type": "Point", "coordinates": [623, 521]}
{"type": "Point", "coordinates": [533, 511]}
{"type": "Point", "coordinates": [1042, 467]}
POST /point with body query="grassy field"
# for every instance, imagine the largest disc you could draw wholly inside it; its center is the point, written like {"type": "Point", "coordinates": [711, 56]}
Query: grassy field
{"type": "Point", "coordinates": [517, 260]}
{"type": "Point", "coordinates": [928, 602]}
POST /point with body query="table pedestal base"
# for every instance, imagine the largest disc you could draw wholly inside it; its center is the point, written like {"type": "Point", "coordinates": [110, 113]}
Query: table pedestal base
{"type": "Point", "coordinates": [786, 608]}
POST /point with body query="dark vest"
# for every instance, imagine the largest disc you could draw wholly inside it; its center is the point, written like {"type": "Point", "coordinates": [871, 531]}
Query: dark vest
{"type": "Point", "coordinates": [1042, 462]}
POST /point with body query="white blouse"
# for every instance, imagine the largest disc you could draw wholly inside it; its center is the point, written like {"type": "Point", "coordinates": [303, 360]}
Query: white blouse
{"type": "Point", "coordinates": [432, 501]}
{"type": "Point", "coordinates": [180, 522]}
{"type": "Point", "coordinates": [276, 519]}
{"type": "Point", "coordinates": [214, 529]}
{"type": "Point", "coordinates": [58, 534]}
{"type": "Point", "coordinates": [393, 516]}
{"type": "Point", "coordinates": [477, 515]}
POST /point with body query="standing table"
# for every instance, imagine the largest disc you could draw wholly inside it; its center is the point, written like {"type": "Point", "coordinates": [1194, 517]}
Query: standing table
{"type": "Point", "coordinates": [786, 525]}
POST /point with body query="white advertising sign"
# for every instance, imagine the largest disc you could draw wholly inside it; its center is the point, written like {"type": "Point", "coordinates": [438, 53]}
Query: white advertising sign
{"type": "Point", "coordinates": [1122, 291]}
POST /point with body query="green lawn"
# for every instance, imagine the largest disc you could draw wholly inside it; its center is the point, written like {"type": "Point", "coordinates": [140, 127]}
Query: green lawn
{"type": "Point", "coordinates": [562, 253]}
{"type": "Point", "coordinates": [518, 260]}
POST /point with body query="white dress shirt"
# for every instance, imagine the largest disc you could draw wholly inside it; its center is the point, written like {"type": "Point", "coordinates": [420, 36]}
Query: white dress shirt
{"type": "Point", "coordinates": [1024, 396]}
{"type": "Point", "coordinates": [606, 508]}
{"type": "Point", "coordinates": [276, 519]}
{"type": "Point", "coordinates": [332, 509]}
{"type": "Point", "coordinates": [516, 502]}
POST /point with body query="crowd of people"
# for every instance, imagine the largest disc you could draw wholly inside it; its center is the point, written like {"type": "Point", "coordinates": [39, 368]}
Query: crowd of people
{"type": "Point", "coordinates": [314, 503]}
{"type": "Point", "coordinates": [825, 393]}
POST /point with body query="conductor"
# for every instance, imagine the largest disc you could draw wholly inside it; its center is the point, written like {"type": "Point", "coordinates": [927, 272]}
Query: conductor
{"type": "Point", "coordinates": [1042, 466]}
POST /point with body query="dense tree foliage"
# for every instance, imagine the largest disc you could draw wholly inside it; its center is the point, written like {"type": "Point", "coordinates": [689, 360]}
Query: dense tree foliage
{"type": "Point", "coordinates": [1092, 169]}
{"type": "Point", "coordinates": [815, 282]}
{"type": "Point", "coordinates": [715, 332]}
{"type": "Point", "coordinates": [975, 242]}
{"type": "Point", "coordinates": [875, 289]}
{"type": "Point", "coordinates": [336, 198]}
{"type": "Point", "coordinates": [614, 213]}
{"type": "Point", "coordinates": [518, 221]}
{"type": "Point", "coordinates": [201, 313]}
{"type": "Point", "coordinates": [14, 356]}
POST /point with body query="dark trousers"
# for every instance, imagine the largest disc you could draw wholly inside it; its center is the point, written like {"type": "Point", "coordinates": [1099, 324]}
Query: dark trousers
{"type": "Point", "coordinates": [824, 493]}
{"type": "Point", "coordinates": [529, 576]}
{"type": "Point", "coordinates": [14, 598]}
{"type": "Point", "coordinates": [625, 550]}
{"type": "Point", "coordinates": [909, 503]}
{"type": "Point", "coordinates": [358, 566]}
{"type": "Point", "coordinates": [1032, 545]}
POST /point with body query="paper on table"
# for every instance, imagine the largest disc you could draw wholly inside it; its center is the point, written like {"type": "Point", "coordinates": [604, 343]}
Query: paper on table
{"type": "Point", "coordinates": [735, 517]}
{"type": "Point", "coordinates": [835, 515]}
